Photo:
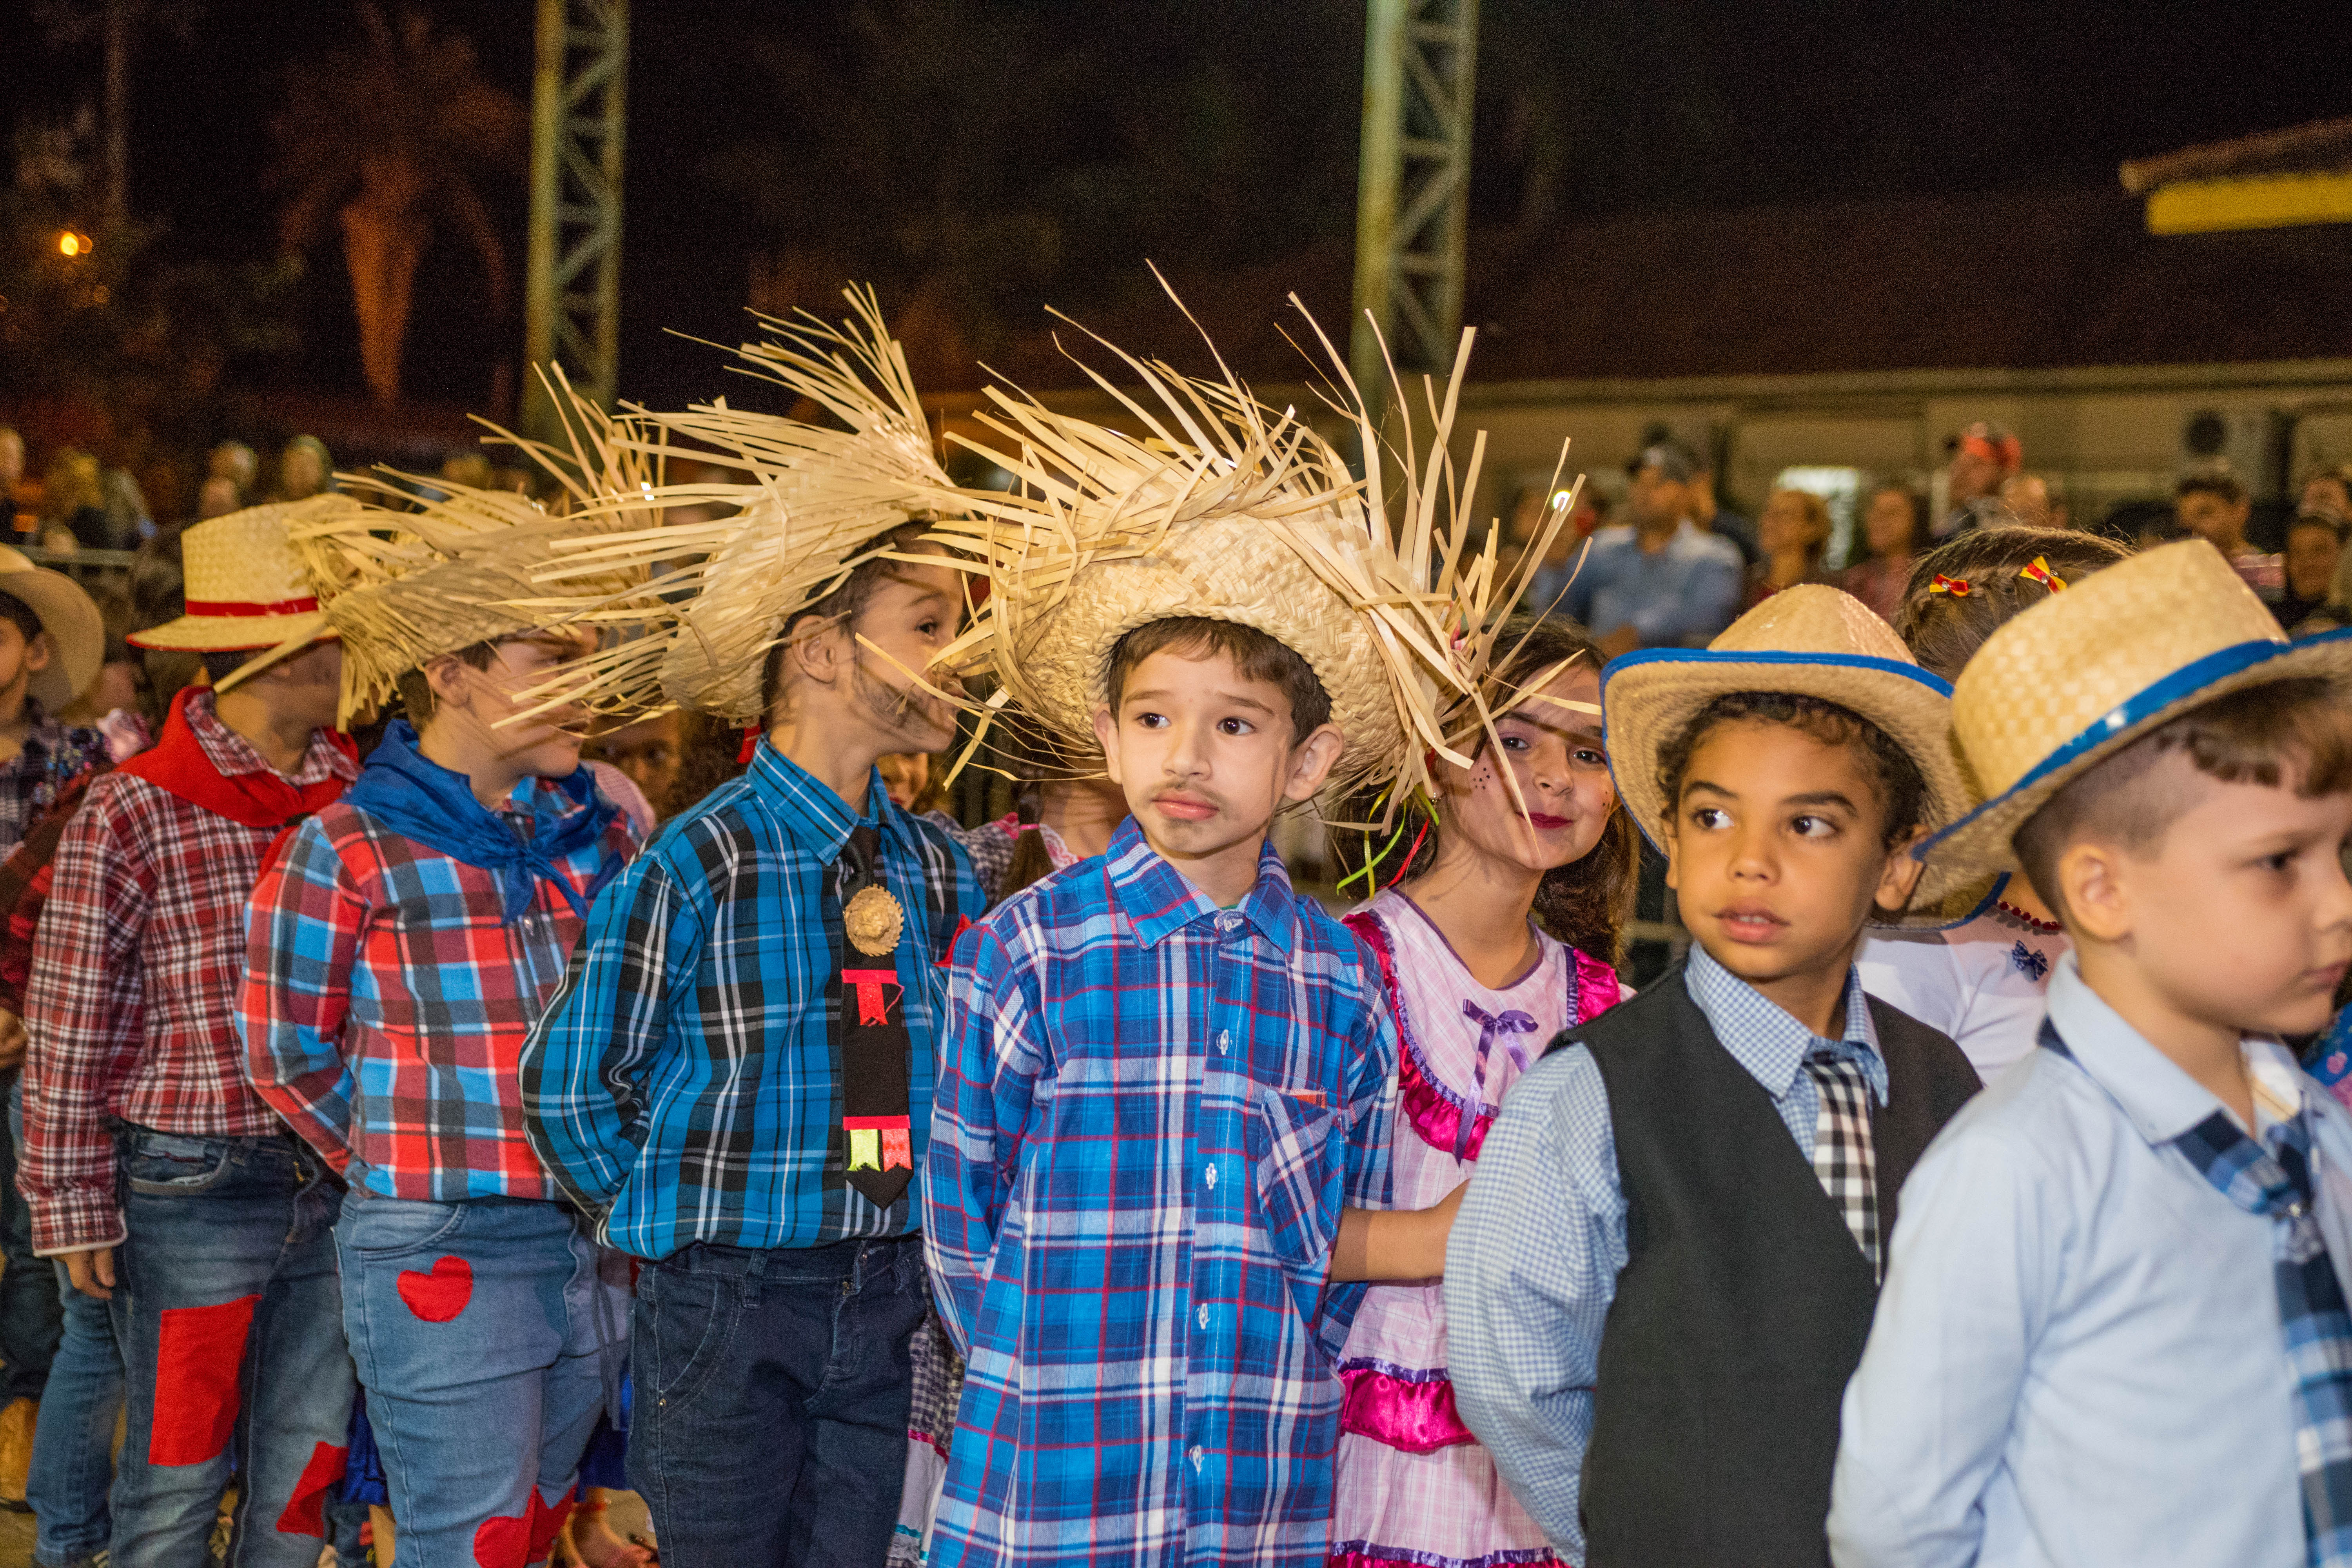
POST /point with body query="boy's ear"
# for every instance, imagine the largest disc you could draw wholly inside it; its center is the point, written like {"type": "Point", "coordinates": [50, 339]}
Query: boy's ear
{"type": "Point", "coordinates": [2094, 883]}
{"type": "Point", "coordinates": [1107, 737]}
{"type": "Point", "coordinates": [1312, 760]}
{"type": "Point", "coordinates": [823, 656]}
{"type": "Point", "coordinates": [445, 675]}
{"type": "Point", "coordinates": [39, 652]}
{"type": "Point", "coordinates": [1898, 878]}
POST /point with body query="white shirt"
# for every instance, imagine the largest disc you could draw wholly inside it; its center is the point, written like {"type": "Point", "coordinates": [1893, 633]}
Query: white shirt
{"type": "Point", "coordinates": [1980, 982]}
{"type": "Point", "coordinates": [2078, 1358]}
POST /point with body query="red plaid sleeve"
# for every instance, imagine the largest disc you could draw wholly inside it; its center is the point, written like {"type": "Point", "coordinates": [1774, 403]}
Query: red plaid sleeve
{"type": "Point", "coordinates": [83, 1011]}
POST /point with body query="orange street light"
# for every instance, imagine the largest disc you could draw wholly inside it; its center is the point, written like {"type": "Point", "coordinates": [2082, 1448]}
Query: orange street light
{"type": "Point", "coordinates": [70, 244]}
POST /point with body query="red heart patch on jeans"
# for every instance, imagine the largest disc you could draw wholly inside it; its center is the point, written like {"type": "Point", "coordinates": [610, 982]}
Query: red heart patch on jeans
{"type": "Point", "coordinates": [440, 1294]}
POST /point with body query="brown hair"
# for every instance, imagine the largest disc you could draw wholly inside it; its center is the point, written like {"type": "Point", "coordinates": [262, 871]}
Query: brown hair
{"type": "Point", "coordinates": [416, 691]}
{"type": "Point", "coordinates": [1255, 654]}
{"type": "Point", "coordinates": [1584, 904]}
{"type": "Point", "coordinates": [1902, 792]}
{"type": "Point", "coordinates": [845, 601]}
{"type": "Point", "coordinates": [2212, 478]}
{"type": "Point", "coordinates": [2282, 733]}
{"type": "Point", "coordinates": [1944, 630]}
{"type": "Point", "coordinates": [1817, 521]}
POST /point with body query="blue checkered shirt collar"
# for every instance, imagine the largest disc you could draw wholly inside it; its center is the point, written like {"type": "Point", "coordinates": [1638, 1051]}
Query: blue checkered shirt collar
{"type": "Point", "coordinates": [1158, 902]}
{"type": "Point", "coordinates": [818, 820]}
{"type": "Point", "coordinates": [1766, 1039]}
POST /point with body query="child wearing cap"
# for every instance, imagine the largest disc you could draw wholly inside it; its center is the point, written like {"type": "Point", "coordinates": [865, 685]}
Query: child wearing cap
{"type": "Point", "coordinates": [397, 953]}
{"type": "Point", "coordinates": [1664, 1269]}
{"type": "Point", "coordinates": [153, 1169]}
{"type": "Point", "coordinates": [1166, 1097]}
{"type": "Point", "coordinates": [1980, 980]}
{"type": "Point", "coordinates": [736, 1073]}
{"type": "Point", "coordinates": [2115, 1327]}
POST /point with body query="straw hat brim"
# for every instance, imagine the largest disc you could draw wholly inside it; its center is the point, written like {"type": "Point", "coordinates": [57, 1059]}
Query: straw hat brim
{"type": "Point", "coordinates": [77, 633]}
{"type": "Point", "coordinates": [223, 634]}
{"type": "Point", "coordinates": [1979, 842]}
{"type": "Point", "coordinates": [1649, 698]}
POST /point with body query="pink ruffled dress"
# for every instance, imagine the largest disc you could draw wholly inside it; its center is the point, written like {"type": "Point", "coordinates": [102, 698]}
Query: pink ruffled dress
{"type": "Point", "coordinates": [1415, 1488]}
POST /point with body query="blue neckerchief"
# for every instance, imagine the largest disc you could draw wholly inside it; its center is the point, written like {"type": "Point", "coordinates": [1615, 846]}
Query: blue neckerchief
{"type": "Point", "coordinates": [418, 798]}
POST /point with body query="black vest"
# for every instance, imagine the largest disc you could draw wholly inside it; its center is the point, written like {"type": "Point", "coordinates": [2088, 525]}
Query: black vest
{"type": "Point", "coordinates": [1743, 1302]}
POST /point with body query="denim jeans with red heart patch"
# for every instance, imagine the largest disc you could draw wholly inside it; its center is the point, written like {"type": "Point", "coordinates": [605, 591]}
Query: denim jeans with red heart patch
{"type": "Point", "coordinates": [230, 1320]}
{"type": "Point", "coordinates": [488, 1336]}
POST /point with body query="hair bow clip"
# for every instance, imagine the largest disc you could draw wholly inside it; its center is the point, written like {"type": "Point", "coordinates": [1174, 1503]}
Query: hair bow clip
{"type": "Point", "coordinates": [1958, 587]}
{"type": "Point", "coordinates": [2038, 571]}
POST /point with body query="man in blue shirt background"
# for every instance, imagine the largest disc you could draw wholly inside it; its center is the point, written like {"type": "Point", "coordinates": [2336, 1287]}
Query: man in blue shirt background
{"type": "Point", "coordinates": [1660, 580]}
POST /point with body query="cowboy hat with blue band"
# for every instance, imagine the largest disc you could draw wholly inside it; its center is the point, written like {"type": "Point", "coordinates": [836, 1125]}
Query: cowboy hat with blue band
{"type": "Point", "coordinates": [1807, 641]}
{"type": "Point", "coordinates": [2074, 679]}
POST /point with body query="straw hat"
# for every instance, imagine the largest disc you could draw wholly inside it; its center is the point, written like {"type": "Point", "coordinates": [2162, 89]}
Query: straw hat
{"type": "Point", "coordinates": [246, 585]}
{"type": "Point", "coordinates": [2079, 677]}
{"type": "Point", "coordinates": [791, 534]}
{"type": "Point", "coordinates": [77, 633]}
{"type": "Point", "coordinates": [452, 565]}
{"type": "Point", "coordinates": [1810, 641]}
{"type": "Point", "coordinates": [1230, 511]}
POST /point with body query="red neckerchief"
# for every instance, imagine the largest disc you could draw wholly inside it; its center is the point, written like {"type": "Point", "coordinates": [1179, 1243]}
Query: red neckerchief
{"type": "Point", "coordinates": [179, 763]}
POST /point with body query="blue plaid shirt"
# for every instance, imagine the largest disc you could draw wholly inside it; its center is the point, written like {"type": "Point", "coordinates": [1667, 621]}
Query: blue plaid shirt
{"type": "Point", "coordinates": [1150, 1113]}
{"type": "Point", "coordinates": [683, 1079]}
{"type": "Point", "coordinates": [1532, 1264]}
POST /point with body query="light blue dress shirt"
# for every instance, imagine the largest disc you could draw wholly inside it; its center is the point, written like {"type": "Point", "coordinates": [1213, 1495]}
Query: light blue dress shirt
{"type": "Point", "coordinates": [1680, 597]}
{"type": "Point", "coordinates": [2077, 1357]}
{"type": "Point", "coordinates": [1532, 1264]}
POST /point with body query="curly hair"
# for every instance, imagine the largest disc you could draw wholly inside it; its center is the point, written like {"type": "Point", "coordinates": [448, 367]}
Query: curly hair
{"type": "Point", "coordinates": [1584, 904]}
{"type": "Point", "coordinates": [1901, 789]}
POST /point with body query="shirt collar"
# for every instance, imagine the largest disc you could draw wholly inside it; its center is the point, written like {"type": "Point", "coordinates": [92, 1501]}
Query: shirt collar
{"type": "Point", "coordinates": [2160, 1100]}
{"type": "Point", "coordinates": [1766, 1039]}
{"type": "Point", "coordinates": [1158, 902]}
{"type": "Point", "coordinates": [43, 736]}
{"type": "Point", "coordinates": [821, 820]}
{"type": "Point", "coordinates": [231, 753]}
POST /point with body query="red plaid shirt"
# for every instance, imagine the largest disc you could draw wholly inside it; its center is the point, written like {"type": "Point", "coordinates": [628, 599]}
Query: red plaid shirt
{"type": "Point", "coordinates": [137, 966]}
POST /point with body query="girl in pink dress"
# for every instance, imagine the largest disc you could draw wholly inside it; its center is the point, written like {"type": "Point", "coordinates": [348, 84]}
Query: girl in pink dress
{"type": "Point", "coordinates": [1469, 943]}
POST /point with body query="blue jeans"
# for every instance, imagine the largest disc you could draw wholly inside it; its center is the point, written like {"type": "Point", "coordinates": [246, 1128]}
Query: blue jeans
{"type": "Point", "coordinates": [487, 1334]}
{"type": "Point", "coordinates": [73, 1446]}
{"type": "Point", "coordinates": [773, 1387]}
{"type": "Point", "coordinates": [29, 1324]}
{"type": "Point", "coordinates": [231, 1326]}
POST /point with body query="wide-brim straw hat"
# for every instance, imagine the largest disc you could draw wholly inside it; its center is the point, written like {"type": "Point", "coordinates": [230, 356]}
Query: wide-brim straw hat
{"type": "Point", "coordinates": [2075, 678]}
{"type": "Point", "coordinates": [76, 631]}
{"type": "Point", "coordinates": [246, 586]}
{"type": "Point", "coordinates": [1809, 641]}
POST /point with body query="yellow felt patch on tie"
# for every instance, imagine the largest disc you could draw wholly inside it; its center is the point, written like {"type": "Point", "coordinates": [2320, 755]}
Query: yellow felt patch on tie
{"type": "Point", "coordinates": [865, 1149]}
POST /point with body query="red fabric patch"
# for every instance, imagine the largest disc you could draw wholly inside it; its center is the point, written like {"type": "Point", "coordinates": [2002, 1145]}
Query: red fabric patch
{"type": "Point", "coordinates": [440, 1295]}
{"type": "Point", "coordinates": [306, 1510]}
{"type": "Point", "coordinates": [517, 1541]}
{"type": "Point", "coordinates": [199, 1357]}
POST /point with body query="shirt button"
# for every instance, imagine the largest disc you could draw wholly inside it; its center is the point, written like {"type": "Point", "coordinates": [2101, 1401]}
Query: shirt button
{"type": "Point", "coordinates": [1202, 1315]}
{"type": "Point", "coordinates": [1229, 921]}
{"type": "Point", "coordinates": [1224, 1042]}
{"type": "Point", "coordinates": [1210, 1176]}
{"type": "Point", "coordinates": [1196, 1455]}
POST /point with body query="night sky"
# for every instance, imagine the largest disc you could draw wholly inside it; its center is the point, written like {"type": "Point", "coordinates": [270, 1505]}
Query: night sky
{"type": "Point", "coordinates": [1037, 151]}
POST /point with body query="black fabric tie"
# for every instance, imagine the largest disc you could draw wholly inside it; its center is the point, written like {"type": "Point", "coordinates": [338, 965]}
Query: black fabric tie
{"type": "Point", "coordinates": [867, 1006]}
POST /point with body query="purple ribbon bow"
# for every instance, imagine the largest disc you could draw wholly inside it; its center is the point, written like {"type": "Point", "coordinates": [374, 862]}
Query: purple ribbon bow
{"type": "Point", "coordinates": [1490, 1026]}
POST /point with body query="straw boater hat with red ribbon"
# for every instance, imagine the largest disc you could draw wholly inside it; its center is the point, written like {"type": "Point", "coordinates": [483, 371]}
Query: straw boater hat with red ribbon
{"type": "Point", "coordinates": [2073, 681]}
{"type": "Point", "coordinates": [246, 587]}
{"type": "Point", "coordinates": [1809, 641]}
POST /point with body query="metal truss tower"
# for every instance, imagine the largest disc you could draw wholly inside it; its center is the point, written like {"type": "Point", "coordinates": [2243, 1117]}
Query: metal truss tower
{"type": "Point", "coordinates": [1413, 201]}
{"type": "Point", "coordinates": [572, 306]}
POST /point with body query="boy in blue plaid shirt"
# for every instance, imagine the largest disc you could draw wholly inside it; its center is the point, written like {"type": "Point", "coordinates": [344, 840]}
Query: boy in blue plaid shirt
{"type": "Point", "coordinates": [2115, 1327]}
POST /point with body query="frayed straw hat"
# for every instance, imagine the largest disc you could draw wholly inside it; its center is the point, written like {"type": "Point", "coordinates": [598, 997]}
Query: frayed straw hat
{"type": "Point", "coordinates": [1227, 509]}
{"type": "Point", "coordinates": [246, 586]}
{"type": "Point", "coordinates": [2073, 681]}
{"type": "Point", "coordinates": [453, 566]}
{"type": "Point", "coordinates": [1809, 641]}
{"type": "Point", "coordinates": [76, 631]}
{"type": "Point", "coordinates": [816, 493]}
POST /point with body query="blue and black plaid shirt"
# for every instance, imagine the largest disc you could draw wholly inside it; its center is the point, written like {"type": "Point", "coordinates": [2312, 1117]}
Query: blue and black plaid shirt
{"type": "Point", "coordinates": [684, 1077]}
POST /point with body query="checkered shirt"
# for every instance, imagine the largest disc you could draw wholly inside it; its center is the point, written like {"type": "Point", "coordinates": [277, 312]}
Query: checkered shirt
{"type": "Point", "coordinates": [683, 1079]}
{"type": "Point", "coordinates": [387, 997]}
{"type": "Point", "coordinates": [1545, 1222]}
{"type": "Point", "coordinates": [1150, 1113]}
{"type": "Point", "coordinates": [131, 1005]}
{"type": "Point", "coordinates": [54, 755]}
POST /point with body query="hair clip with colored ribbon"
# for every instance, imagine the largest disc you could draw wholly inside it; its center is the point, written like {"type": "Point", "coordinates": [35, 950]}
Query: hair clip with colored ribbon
{"type": "Point", "coordinates": [2038, 571]}
{"type": "Point", "coordinates": [1958, 587]}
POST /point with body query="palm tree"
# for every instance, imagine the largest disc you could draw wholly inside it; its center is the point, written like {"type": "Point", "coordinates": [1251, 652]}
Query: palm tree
{"type": "Point", "coordinates": [391, 137]}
